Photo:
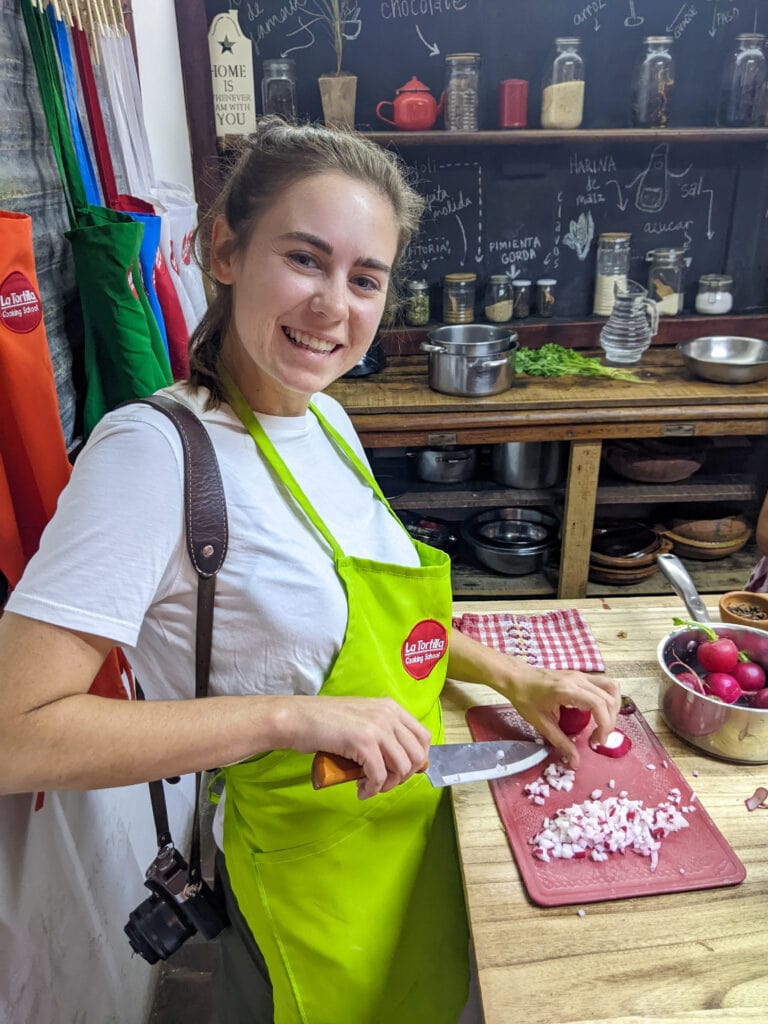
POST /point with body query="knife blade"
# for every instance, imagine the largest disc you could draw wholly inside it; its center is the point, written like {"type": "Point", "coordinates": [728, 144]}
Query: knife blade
{"type": "Point", "coordinates": [449, 764]}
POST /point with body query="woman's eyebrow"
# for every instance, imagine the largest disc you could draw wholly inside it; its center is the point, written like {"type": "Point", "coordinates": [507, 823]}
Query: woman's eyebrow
{"type": "Point", "coordinates": [327, 248]}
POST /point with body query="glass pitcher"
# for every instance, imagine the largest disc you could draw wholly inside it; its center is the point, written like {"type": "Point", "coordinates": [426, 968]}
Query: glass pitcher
{"type": "Point", "coordinates": [633, 322]}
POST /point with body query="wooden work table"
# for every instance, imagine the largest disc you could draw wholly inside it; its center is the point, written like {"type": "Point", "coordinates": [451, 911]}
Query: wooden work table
{"type": "Point", "coordinates": [694, 957]}
{"type": "Point", "coordinates": [397, 408]}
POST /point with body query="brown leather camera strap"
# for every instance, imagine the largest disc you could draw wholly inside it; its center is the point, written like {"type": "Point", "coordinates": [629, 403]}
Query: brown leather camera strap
{"type": "Point", "coordinates": [205, 517]}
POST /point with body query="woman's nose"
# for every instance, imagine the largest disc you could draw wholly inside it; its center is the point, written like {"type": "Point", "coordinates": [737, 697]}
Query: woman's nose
{"type": "Point", "coordinates": [330, 299]}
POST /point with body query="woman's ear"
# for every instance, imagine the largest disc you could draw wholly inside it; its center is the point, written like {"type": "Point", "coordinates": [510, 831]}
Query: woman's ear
{"type": "Point", "coordinates": [222, 251]}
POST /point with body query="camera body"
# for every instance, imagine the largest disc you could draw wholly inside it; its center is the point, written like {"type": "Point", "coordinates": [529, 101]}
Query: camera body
{"type": "Point", "coordinates": [175, 910]}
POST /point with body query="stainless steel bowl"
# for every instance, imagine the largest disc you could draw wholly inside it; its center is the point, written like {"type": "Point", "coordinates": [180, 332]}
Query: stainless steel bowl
{"type": "Point", "coordinates": [512, 541]}
{"type": "Point", "coordinates": [726, 359]}
{"type": "Point", "coordinates": [726, 731]}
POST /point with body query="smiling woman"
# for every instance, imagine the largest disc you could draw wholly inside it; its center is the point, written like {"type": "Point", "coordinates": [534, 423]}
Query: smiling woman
{"type": "Point", "coordinates": [342, 909]}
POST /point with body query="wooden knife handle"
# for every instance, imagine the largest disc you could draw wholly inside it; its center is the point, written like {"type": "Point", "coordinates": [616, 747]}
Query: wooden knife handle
{"type": "Point", "coordinates": [331, 769]}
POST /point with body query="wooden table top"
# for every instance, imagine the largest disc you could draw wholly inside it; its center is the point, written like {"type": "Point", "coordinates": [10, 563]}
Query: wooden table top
{"type": "Point", "coordinates": [695, 957]}
{"type": "Point", "coordinates": [399, 396]}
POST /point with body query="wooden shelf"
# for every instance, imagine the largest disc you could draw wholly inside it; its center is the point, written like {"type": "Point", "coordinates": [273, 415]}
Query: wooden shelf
{"type": "Point", "coordinates": [472, 582]}
{"type": "Point", "coordinates": [584, 332]}
{"type": "Point", "coordinates": [585, 136]}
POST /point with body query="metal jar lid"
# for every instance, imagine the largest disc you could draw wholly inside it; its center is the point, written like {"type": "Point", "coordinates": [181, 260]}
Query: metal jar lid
{"type": "Point", "coordinates": [460, 278]}
{"type": "Point", "coordinates": [520, 282]}
{"type": "Point", "coordinates": [716, 281]}
{"type": "Point", "coordinates": [658, 40]}
{"type": "Point", "coordinates": [669, 257]}
{"type": "Point", "coordinates": [499, 279]}
{"type": "Point", "coordinates": [417, 285]}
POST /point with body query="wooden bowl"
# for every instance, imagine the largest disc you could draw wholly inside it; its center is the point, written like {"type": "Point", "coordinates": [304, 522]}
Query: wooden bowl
{"type": "Point", "coordinates": [724, 529]}
{"type": "Point", "coordinates": [706, 551]}
{"type": "Point", "coordinates": [653, 462]}
{"type": "Point", "coordinates": [621, 577]}
{"type": "Point", "coordinates": [742, 608]}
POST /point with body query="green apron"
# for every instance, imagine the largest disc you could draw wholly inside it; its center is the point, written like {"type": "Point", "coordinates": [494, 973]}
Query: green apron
{"type": "Point", "coordinates": [357, 906]}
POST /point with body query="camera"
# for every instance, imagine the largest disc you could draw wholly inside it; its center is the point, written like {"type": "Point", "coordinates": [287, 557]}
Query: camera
{"type": "Point", "coordinates": [174, 911]}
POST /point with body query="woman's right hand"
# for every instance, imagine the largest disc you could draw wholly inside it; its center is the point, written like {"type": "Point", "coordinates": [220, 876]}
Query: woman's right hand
{"type": "Point", "coordinates": [386, 741]}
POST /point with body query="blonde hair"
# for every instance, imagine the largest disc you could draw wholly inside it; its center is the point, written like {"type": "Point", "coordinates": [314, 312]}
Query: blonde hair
{"type": "Point", "coordinates": [272, 160]}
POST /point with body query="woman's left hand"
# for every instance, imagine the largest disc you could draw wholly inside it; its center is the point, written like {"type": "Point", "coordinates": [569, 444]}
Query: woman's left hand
{"type": "Point", "coordinates": [538, 693]}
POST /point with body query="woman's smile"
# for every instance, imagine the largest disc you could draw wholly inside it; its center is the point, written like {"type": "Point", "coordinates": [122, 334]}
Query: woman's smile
{"type": "Point", "coordinates": [309, 341]}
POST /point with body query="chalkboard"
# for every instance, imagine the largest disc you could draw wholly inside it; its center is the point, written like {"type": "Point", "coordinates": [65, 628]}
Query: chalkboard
{"type": "Point", "coordinates": [536, 210]}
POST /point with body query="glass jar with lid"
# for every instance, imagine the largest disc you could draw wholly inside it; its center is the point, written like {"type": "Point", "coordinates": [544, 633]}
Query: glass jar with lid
{"type": "Point", "coordinates": [416, 308]}
{"type": "Point", "coordinates": [545, 296]}
{"type": "Point", "coordinates": [459, 298]}
{"type": "Point", "coordinates": [278, 88]}
{"type": "Point", "coordinates": [498, 299]}
{"type": "Point", "coordinates": [462, 92]}
{"type": "Point", "coordinates": [521, 298]}
{"type": "Point", "coordinates": [612, 269]}
{"type": "Point", "coordinates": [665, 279]}
{"type": "Point", "coordinates": [742, 92]}
{"type": "Point", "coordinates": [714, 296]}
{"type": "Point", "coordinates": [652, 84]}
{"type": "Point", "coordinates": [562, 99]}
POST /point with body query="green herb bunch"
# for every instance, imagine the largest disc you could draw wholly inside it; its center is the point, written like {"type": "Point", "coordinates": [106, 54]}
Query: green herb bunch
{"type": "Point", "coordinates": [555, 361]}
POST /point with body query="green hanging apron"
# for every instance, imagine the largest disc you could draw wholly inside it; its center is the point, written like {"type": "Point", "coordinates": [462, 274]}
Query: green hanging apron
{"type": "Point", "coordinates": [357, 906]}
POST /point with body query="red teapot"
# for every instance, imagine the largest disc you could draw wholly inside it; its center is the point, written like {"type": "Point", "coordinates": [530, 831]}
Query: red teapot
{"type": "Point", "coordinates": [415, 108]}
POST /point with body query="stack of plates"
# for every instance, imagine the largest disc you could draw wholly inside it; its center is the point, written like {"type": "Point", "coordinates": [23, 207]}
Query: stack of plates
{"type": "Point", "coordinates": [624, 553]}
{"type": "Point", "coordinates": [512, 541]}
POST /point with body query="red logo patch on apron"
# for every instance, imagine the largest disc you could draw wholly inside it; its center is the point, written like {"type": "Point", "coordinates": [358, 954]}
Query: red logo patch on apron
{"type": "Point", "coordinates": [186, 249]}
{"type": "Point", "coordinates": [131, 285]}
{"type": "Point", "coordinates": [424, 646]}
{"type": "Point", "coordinates": [20, 307]}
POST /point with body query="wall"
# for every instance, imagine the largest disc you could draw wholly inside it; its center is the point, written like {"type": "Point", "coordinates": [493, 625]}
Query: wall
{"type": "Point", "coordinates": [71, 873]}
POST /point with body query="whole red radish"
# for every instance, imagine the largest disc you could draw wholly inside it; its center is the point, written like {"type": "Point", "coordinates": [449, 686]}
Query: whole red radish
{"type": "Point", "coordinates": [572, 720]}
{"type": "Point", "coordinates": [759, 699]}
{"type": "Point", "coordinates": [723, 686]}
{"type": "Point", "coordinates": [749, 675]}
{"type": "Point", "coordinates": [721, 655]}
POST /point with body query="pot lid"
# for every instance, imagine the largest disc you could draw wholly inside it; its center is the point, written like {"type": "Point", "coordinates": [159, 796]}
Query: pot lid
{"type": "Point", "coordinates": [413, 85]}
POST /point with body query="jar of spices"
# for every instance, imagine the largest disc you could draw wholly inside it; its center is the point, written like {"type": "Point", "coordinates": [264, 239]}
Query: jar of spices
{"type": "Point", "coordinates": [416, 310]}
{"type": "Point", "coordinates": [521, 298]}
{"type": "Point", "coordinates": [462, 91]}
{"type": "Point", "coordinates": [742, 92]}
{"type": "Point", "coordinates": [714, 295]}
{"type": "Point", "coordinates": [665, 279]}
{"type": "Point", "coordinates": [278, 88]}
{"type": "Point", "coordinates": [652, 84]}
{"type": "Point", "coordinates": [498, 299]}
{"type": "Point", "coordinates": [545, 296]}
{"type": "Point", "coordinates": [513, 103]}
{"type": "Point", "coordinates": [612, 269]}
{"type": "Point", "coordinates": [562, 100]}
{"type": "Point", "coordinates": [459, 298]}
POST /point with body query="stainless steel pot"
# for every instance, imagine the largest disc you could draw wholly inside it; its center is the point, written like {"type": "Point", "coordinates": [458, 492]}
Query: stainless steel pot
{"type": "Point", "coordinates": [529, 464]}
{"type": "Point", "coordinates": [726, 731]}
{"type": "Point", "coordinates": [449, 465]}
{"type": "Point", "coordinates": [471, 359]}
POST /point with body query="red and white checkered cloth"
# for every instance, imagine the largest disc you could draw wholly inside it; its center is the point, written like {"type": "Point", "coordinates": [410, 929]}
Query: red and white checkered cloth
{"type": "Point", "coordinates": [558, 639]}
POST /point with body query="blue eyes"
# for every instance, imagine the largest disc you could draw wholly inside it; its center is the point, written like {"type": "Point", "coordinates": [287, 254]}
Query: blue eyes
{"type": "Point", "coordinates": [308, 262]}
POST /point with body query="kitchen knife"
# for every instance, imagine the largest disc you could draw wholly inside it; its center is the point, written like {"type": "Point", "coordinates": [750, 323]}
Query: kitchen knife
{"type": "Point", "coordinates": [449, 764]}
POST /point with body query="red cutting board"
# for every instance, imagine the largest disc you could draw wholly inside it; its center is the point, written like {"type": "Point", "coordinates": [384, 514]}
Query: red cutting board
{"type": "Point", "coordinates": [694, 858]}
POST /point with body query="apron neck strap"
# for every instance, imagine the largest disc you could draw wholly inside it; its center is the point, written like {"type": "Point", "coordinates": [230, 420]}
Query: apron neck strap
{"type": "Point", "coordinates": [247, 417]}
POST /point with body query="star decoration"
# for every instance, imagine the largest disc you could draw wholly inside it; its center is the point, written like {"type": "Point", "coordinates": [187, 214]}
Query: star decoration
{"type": "Point", "coordinates": [226, 45]}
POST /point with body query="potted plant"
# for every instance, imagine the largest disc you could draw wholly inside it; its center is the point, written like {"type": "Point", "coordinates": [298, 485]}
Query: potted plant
{"type": "Point", "coordinates": [338, 88]}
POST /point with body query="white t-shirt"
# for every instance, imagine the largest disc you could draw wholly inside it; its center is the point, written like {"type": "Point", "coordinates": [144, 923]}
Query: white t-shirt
{"type": "Point", "coordinates": [113, 560]}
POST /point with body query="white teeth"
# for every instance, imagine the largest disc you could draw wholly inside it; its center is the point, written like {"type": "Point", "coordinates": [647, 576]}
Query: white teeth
{"type": "Point", "coordinates": [308, 341]}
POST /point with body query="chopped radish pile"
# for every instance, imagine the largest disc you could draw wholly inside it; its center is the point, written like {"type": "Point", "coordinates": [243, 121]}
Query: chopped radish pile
{"type": "Point", "coordinates": [555, 777]}
{"type": "Point", "coordinates": [616, 745]}
{"type": "Point", "coordinates": [597, 828]}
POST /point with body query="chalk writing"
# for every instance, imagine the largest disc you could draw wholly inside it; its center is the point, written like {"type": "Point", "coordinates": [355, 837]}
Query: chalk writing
{"type": "Point", "coordinates": [580, 235]}
{"type": "Point", "coordinates": [633, 20]}
{"type": "Point", "coordinates": [682, 20]}
{"type": "Point", "coordinates": [588, 12]}
{"type": "Point", "coordinates": [721, 18]}
{"type": "Point", "coordinates": [420, 8]}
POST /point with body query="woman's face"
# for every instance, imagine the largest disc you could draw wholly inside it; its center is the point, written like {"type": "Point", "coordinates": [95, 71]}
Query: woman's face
{"type": "Point", "coordinates": [308, 291]}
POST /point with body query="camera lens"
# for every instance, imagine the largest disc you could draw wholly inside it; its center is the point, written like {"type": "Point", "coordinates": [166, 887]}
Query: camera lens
{"type": "Point", "coordinates": [155, 929]}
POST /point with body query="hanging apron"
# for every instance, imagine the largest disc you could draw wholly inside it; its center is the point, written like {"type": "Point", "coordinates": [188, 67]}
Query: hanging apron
{"type": "Point", "coordinates": [357, 906]}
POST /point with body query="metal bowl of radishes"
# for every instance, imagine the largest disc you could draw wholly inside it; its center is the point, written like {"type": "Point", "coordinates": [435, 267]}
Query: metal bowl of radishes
{"type": "Point", "coordinates": [713, 691]}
